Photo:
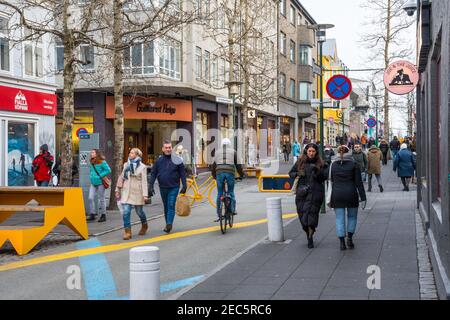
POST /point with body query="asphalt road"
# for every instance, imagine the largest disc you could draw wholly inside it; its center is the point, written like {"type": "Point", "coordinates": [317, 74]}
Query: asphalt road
{"type": "Point", "coordinates": [185, 255]}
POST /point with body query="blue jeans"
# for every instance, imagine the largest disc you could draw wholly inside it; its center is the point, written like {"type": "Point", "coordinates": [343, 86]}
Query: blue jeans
{"type": "Point", "coordinates": [42, 183]}
{"type": "Point", "coordinates": [394, 154]}
{"type": "Point", "coordinates": [364, 176]}
{"type": "Point", "coordinates": [230, 181]}
{"type": "Point", "coordinates": [352, 217]}
{"type": "Point", "coordinates": [127, 213]}
{"type": "Point", "coordinates": [169, 198]}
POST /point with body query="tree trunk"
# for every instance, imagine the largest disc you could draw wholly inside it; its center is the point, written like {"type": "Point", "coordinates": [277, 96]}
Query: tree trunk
{"type": "Point", "coordinates": [246, 81]}
{"type": "Point", "coordinates": [386, 65]}
{"type": "Point", "coordinates": [118, 99]}
{"type": "Point", "coordinates": [68, 102]}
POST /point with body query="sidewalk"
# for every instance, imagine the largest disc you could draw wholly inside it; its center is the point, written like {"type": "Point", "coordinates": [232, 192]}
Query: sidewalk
{"type": "Point", "coordinates": [385, 236]}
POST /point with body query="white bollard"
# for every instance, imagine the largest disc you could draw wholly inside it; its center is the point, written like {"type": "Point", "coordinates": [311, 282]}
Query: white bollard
{"type": "Point", "coordinates": [144, 273]}
{"type": "Point", "coordinates": [275, 219]}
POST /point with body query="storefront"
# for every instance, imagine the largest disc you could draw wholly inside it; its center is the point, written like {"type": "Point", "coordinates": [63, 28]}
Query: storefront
{"type": "Point", "coordinates": [27, 120]}
{"type": "Point", "coordinates": [287, 130]}
{"type": "Point", "coordinates": [151, 121]}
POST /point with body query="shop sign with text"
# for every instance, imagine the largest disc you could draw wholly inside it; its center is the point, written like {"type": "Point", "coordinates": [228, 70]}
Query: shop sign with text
{"type": "Point", "coordinates": [27, 101]}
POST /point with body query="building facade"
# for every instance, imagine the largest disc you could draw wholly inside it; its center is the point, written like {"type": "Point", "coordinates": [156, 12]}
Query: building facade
{"type": "Point", "coordinates": [27, 98]}
{"type": "Point", "coordinates": [433, 165]}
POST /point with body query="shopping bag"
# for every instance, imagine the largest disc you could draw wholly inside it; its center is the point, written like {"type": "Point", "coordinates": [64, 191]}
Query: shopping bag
{"type": "Point", "coordinates": [295, 185]}
{"type": "Point", "coordinates": [182, 207]}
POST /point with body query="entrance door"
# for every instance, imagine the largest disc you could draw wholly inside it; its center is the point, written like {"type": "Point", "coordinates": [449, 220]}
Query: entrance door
{"type": "Point", "coordinates": [131, 141]}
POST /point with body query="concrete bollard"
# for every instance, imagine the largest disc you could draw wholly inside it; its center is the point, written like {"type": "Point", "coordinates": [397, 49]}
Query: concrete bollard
{"type": "Point", "coordinates": [275, 219]}
{"type": "Point", "coordinates": [144, 273]}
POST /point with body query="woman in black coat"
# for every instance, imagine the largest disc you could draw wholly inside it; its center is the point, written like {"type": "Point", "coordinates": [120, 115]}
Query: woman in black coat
{"type": "Point", "coordinates": [384, 148]}
{"type": "Point", "coordinates": [346, 185]}
{"type": "Point", "coordinates": [310, 193]}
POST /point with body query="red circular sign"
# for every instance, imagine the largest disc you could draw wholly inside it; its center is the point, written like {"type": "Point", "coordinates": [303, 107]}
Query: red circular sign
{"type": "Point", "coordinates": [401, 77]}
{"type": "Point", "coordinates": [339, 87]}
{"type": "Point", "coordinates": [81, 131]}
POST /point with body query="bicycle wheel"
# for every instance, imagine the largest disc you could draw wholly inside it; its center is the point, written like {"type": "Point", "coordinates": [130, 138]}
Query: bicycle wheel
{"type": "Point", "coordinates": [228, 213]}
{"type": "Point", "coordinates": [223, 218]}
{"type": "Point", "coordinates": [212, 193]}
{"type": "Point", "coordinates": [190, 192]}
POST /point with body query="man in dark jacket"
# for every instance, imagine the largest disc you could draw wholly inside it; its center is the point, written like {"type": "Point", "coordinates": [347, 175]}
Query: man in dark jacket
{"type": "Point", "coordinates": [225, 164]}
{"type": "Point", "coordinates": [169, 170]}
{"type": "Point", "coordinates": [41, 166]}
{"type": "Point", "coordinates": [361, 159]}
{"type": "Point", "coordinates": [384, 148]}
{"type": "Point", "coordinates": [394, 145]}
{"type": "Point", "coordinates": [328, 154]}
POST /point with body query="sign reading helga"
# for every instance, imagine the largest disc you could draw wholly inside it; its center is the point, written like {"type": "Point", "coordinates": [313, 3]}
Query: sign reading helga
{"type": "Point", "coordinates": [152, 109]}
{"type": "Point", "coordinates": [401, 77]}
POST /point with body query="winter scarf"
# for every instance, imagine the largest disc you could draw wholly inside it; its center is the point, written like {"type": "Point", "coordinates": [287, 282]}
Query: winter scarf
{"type": "Point", "coordinates": [131, 166]}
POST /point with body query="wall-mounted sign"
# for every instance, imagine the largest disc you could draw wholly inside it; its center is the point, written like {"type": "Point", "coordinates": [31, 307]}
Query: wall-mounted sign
{"type": "Point", "coordinates": [224, 100]}
{"type": "Point", "coordinates": [401, 77]}
{"type": "Point", "coordinates": [251, 114]}
{"type": "Point", "coordinates": [27, 101]}
{"type": "Point", "coordinates": [152, 109]}
{"type": "Point", "coordinates": [81, 131]}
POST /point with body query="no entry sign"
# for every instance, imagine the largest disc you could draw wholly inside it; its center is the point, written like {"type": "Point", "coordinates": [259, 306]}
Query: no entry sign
{"type": "Point", "coordinates": [339, 87]}
{"type": "Point", "coordinates": [371, 122]}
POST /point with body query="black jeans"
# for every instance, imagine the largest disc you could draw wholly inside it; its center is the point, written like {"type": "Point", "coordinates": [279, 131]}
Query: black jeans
{"type": "Point", "coordinates": [405, 181]}
{"type": "Point", "coordinates": [385, 161]}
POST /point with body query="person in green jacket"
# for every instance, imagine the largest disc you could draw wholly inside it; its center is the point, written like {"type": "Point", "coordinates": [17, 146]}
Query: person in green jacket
{"type": "Point", "coordinates": [361, 159]}
{"type": "Point", "coordinates": [98, 170]}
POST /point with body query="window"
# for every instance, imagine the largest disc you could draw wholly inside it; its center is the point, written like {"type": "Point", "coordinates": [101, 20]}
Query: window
{"type": "Point", "coordinates": [304, 91]}
{"type": "Point", "coordinates": [282, 84]}
{"type": "Point", "coordinates": [292, 15]}
{"type": "Point", "coordinates": [33, 54]}
{"type": "Point", "coordinates": [299, 19]}
{"type": "Point", "coordinates": [221, 77]}
{"type": "Point", "coordinates": [87, 56]}
{"type": "Point", "coordinates": [224, 126]}
{"type": "Point", "coordinates": [283, 7]}
{"type": "Point", "coordinates": [283, 43]}
{"type": "Point", "coordinates": [305, 55]}
{"type": "Point", "coordinates": [59, 49]}
{"type": "Point", "coordinates": [140, 59]}
{"type": "Point", "coordinates": [292, 52]}
{"type": "Point", "coordinates": [198, 63]}
{"type": "Point", "coordinates": [214, 70]}
{"type": "Point", "coordinates": [292, 89]}
{"type": "Point", "coordinates": [170, 58]}
{"type": "Point", "coordinates": [4, 44]}
{"type": "Point", "coordinates": [207, 66]}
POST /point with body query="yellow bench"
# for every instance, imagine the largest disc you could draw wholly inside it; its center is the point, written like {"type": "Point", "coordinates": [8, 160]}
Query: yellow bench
{"type": "Point", "coordinates": [59, 205]}
{"type": "Point", "coordinates": [253, 172]}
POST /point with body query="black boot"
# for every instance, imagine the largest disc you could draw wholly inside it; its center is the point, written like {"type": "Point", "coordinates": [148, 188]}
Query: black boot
{"type": "Point", "coordinates": [91, 217]}
{"type": "Point", "coordinates": [350, 241]}
{"type": "Point", "coordinates": [310, 242]}
{"type": "Point", "coordinates": [342, 239]}
{"type": "Point", "coordinates": [102, 218]}
{"type": "Point", "coordinates": [381, 188]}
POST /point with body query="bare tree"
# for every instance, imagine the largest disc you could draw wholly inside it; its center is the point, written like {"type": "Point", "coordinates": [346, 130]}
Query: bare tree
{"type": "Point", "coordinates": [388, 23]}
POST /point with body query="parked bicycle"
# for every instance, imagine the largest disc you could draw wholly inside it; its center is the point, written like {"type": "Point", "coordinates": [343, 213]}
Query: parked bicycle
{"type": "Point", "coordinates": [197, 192]}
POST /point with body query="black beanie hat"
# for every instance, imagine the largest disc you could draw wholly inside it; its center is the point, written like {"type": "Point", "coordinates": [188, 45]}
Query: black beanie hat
{"type": "Point", "coordinates": [44, 147]}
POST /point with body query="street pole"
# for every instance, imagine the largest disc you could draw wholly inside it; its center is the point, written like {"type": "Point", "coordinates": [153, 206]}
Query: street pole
{"type": "Point", "coordinates": [322, 151]}
{"type": "Point", "coordinates": [376, 128]}
{"type": "Point", "coordinates": [234, 122]}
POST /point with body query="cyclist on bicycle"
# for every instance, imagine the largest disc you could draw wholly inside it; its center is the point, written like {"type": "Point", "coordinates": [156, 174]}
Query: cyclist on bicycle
{"type": "Point", "coordinates": [224, 167]}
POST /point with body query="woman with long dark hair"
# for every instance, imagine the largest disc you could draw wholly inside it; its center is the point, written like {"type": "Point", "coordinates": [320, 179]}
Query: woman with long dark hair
{"type": "Point", "coordinates": [312, 172]}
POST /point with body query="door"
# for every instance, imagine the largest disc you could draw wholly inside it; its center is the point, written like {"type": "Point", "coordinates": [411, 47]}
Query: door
{"type": "Point", "coordinates": [131, 141]}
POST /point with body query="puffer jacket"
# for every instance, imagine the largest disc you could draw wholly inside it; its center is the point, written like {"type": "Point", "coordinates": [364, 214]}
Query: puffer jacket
{"type": "Point", "coordinates": [405, 163]}
{"type": "Point", "coordinates": [374, 157]}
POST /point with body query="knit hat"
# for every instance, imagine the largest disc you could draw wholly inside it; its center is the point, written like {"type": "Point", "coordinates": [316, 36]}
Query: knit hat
{"type": "Point", "coordinates": [403, 146]}
{"type": "Point", "coordinates": [44, 147]}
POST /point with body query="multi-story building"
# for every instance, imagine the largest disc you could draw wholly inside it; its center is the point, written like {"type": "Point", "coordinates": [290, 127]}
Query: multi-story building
{"type": "Point", "coordinates": [433, 135]}
{"type": "Point", "coordinates": [172, 82]}
{"type": "Point", "coordinates": [297, 44]}
{"type": "Point", "coordinates": [27, 97]}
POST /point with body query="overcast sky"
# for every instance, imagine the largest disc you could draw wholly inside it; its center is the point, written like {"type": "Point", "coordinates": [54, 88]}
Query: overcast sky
{"type": "Point", "coordinates": [349, 18]}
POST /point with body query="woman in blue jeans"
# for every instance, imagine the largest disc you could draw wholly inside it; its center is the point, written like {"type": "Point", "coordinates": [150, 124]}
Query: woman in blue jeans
{"type": "Point", "coordinates": [347, 185]}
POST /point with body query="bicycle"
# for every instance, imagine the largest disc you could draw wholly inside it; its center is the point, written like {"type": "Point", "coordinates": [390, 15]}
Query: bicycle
{"type": "Point", "coordinates": [196, 192]}
{"type": "Point", "coordinates": [226, 216]}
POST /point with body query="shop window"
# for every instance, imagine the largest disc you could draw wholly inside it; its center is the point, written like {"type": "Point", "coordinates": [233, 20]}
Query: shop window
{"type": "Point", "coordinates": [224, 126]}
{"type": "Point", "coordinates": [201, 134]}
{"type": "Point", "coordinates": [87, 56]}
{"type": "Point", "coordinates": [4, 44]}
{"type": "Point", "coordinates": [21, 152]}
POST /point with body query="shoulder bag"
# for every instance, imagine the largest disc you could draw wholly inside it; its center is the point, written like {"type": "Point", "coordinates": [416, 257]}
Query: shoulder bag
{"type": "Point", "coordinates": [329, 187]}
{"type": "Point", "coordinates": [105, 180]}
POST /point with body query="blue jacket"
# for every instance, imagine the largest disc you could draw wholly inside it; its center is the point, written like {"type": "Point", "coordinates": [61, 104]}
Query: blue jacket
{"type": "Point", "coordinates": [296, 150]}
{"type": "Point", "coordinates": [169, 170]}
{"type": "Point", "coordinates": [405, 163]}
{"type": "Point", "coordinates": [103, 170]}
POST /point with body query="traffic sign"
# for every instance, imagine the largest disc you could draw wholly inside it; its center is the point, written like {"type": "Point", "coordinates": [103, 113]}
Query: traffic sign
{"type": "Point", "coordinates": [339, 87]}
{"type": "Point", "coordinates": [331, 120]}
{"type": "Point", "coordinates": [371, 122]}
{"type": "Point", "coordinates": [81, 131]}
{"type": "Point", "coordinates": [401, 77]}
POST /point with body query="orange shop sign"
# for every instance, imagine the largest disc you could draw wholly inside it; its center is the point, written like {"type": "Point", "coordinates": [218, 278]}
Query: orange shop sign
{"type": "Point", "coordinates": [152, 109]}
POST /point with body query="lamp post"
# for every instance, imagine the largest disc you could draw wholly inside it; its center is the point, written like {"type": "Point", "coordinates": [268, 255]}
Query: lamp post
{"type": "Point", "coordinates": [233, 92]}
{"type": "Point", "coordinates": [321, 38]}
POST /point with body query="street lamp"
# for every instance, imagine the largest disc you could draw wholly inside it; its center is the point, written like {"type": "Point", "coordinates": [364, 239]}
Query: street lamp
{"type": "Point", "coordinates": [233, 92]}
{"type": "Point", "coordinates": [321, 38]}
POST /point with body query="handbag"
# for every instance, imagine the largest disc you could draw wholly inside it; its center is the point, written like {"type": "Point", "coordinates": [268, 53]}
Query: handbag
{"type": "Point", "coordinates": [182, 207]}
{"type": "Point", "coordinates": [105, 180]}
{"type": "Point", "coordinates": [329, 188]}
{"type": "Point", "coordinates": [295, 185]}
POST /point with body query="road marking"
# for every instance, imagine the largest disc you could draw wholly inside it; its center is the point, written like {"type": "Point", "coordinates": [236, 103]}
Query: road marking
{"type": "Point", "coordinates": [97, 276]}
{"type": "Point", "coordinates": [127, 245]}
{"type": "Point", "coordinates": [180, 283]}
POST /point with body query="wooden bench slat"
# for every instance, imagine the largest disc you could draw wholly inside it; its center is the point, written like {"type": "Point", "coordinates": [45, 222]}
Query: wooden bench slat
{"type": "Point", "coordinates": [24, 208]}
{"type": "Point", "coordinates": [32, 190]}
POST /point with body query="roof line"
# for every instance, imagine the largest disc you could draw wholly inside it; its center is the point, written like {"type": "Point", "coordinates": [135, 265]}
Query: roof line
{"type": "Point", "coordinates": [304, 11]}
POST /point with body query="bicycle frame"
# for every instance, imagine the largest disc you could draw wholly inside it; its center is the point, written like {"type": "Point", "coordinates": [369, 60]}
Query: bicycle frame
{"type": "Point", "coordinates": [201, 191]}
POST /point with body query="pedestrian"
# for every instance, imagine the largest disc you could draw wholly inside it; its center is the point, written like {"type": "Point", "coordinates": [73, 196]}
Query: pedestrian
{"type": "Point", "coordinates": [361, 160]}
{"type": "Point", "coordinates": [371, 142]}
{"type": "Point", "coordinates": [14, 164]}
{"type": "Point", "coordinates": [394, 145]}
{"type": "Point", "coordinates": [347, 192]}
{"type": "Point", "coordinates": [168, 170]}
{"type": "Point", "coordinates": [351, 143]}
{"type": "Point", "coordinates": [384, 148]}
{"type": "Point", "coordinates": [286, 151]}
{"type": "Point", "coordinates": [58, 168]}
{"type": "Point", "coordinates": [99, 170]}
{"type": "Point", "coordinates": [296, 151]}
{"type": "Point", "coordinates": [374, 158]}
{"type": "Point", "coordinates": [364, 142]}
{"type": "Point", "coordinates": [338, 140]}
{"type": "Point", "coordinates": [41, 166]}
{"type": "Point", "coordinates": [305, 141]}
{"type": "Point", "coordinates": [134, 192]}
{"type": "Point", "coordinates": [312, 172]}
{"type": "Point", "coordinates": [405, 164]}
{"type": "Point", "coordinates": [328, 154]}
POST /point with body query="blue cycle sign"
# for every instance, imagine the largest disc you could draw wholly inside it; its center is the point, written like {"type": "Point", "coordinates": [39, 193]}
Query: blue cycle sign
{"type": "Point", "coordinates": [339, 87]}
{"type": "Point", "coordinates": [371, 122]}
